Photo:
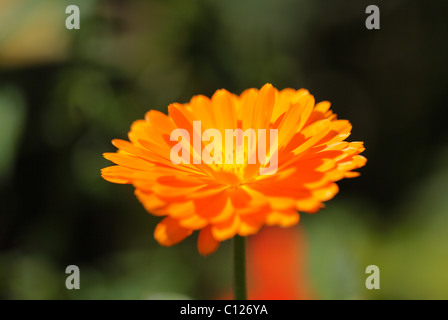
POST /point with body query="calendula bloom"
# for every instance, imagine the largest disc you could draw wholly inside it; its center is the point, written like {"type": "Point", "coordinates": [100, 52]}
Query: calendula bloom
{"type": "Point", "coordinates": [224, 198]}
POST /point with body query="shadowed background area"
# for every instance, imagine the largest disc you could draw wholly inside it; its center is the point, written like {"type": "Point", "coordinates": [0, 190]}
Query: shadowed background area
{"type": "Point", "coordinates": [65, 94]}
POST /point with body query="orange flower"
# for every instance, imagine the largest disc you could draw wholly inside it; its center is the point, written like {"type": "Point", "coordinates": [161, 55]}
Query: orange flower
{"type": "Point", "coordinates": [223, 199]}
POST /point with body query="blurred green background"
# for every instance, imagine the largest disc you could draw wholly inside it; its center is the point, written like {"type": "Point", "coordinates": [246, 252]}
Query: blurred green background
{"type": "Point", "coordinates": [65, 94]}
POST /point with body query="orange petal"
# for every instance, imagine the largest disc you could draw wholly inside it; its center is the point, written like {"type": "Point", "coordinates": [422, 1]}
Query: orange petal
{"type": "Point", "coordinates": [224, 110]}
{"type": "Point", "coordinates": [326, 193]}
{"type": "Point", "coordinates": [117, 174]}
{"type": "Point", "coordinates": [264, 105]}
{"type": "Point", "coordinates": [201, 109]}
{"type": "Point", "coordinates": [215, 208]}
{"type": "Point", "coordinates": [247, 102]}
{"type": "Point", "coordinates": [251, 224]}
{"type": "Point", "coordinates": [309, 205]}
{"type": "Point", "coordinates": [128, 161]}
{"type": "Point", "coordinates": [283, 218]}
{"type": "Point", "coordinates": [150, 202]}
{"type": "Point", "coordinates": [168, 232]}
{"type": "Point", "coordinates": [194, 222]}
{"type": "Point", "coordinates": [207, 244]}
{"type": "Point", "coordinates": [226, 230]}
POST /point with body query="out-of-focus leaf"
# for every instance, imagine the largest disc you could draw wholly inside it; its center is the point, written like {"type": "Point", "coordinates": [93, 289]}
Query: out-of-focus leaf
{"type": "Point", "coordinates": [12, 117]}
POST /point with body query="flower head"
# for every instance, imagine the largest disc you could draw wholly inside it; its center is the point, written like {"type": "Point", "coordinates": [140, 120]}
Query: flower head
{"type": "Point", "coordinates": [284, 159]}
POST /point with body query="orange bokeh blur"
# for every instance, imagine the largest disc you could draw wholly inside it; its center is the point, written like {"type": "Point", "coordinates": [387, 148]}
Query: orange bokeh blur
{"type": "Point", "coordinates": [276, 265]}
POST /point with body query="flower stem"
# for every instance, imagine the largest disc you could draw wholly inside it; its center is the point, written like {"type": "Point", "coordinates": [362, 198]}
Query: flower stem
{"type": "Point", "coordinates": [239, 268]}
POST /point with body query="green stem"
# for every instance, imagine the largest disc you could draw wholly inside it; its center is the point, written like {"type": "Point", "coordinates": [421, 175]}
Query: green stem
{"type": "Point", "coordinates": [239, 268]}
